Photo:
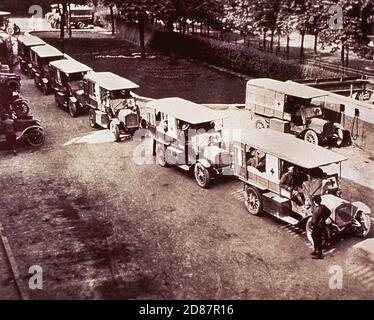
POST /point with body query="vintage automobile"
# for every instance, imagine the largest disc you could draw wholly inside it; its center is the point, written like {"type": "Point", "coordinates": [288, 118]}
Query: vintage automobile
{"type": "Point", "coordinates": [112, 103]}
{"type": "Point", "coordinates": [188, 135]}
{"type": "Point", "coordinates": [317, 172]}
{"type": "Point", "coordinates": [68, 85]}
{"type": "Point", "coordinates": [29, 130]}
{"type": "Point", "coordinates": [6, 52]}
{"type": "Point", "coordinates": [292, 108]}
{"type": "Point", "coordinates": [80, 16]}
{"type": "Point", "coordinates": [40, 57]}
{"type": "Point", "coordinates": [6, 26]}
{"type": "Point", "coordinates": [25, 43]}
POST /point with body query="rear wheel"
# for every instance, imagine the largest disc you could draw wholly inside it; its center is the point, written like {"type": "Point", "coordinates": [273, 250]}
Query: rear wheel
{"type": "Point", "coordinates": [362, 224]}
{"type": "Point", "coordinates": [253, 200]}
{"type": "Point", "coordinates": [73, 110]}
{"type": "Point", "coordinates": [311, 137]}
{"type": "Point", "coordinates": [202, 175]}
{"type": "Point", "coordinates": [21, 108]}
{"type": "Point", "coordinates": [114, 129]}
{"type": "Point", "coordinates": [35, 137]}
{"type": "Point", "coordinates": [326, 236]}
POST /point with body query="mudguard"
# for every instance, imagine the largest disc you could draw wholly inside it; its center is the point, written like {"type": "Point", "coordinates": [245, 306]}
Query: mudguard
{"type": "Point", "coordinates": [205, 163]}
{"type": "Point", "coordinates": [317, 125]}
{"type": "Point", "coordinates": [362, 207]}
{"type": "Point", "coordinates": [24, 132]}
{"type": "Point", "coordinates": [73, 99]}
{"type": "Point", "coordinates": [116, 121]}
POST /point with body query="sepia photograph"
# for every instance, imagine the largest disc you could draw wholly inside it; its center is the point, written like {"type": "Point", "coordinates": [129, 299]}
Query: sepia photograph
{"type": "Point", "coordinates": [159, 151]}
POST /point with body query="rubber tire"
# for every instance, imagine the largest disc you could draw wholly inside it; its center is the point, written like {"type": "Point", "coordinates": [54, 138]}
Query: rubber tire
{"type": "Point", "coordinates": [45, 89]}
{"type": "Point", "coordinates": [21, 109]}
{"type": "Point", "coordinates": [160, 155]}
{"type": "Point", "coordinates": [114, 129]}
{"type": "Point", "coordinates": [326, 240]}
{"type": "Point", "coordinates": [10, 30]}
{"type": "Point", "coordinates": [253, 191]}
{"type": "Point", "coordinates": [92, 118]}
{"type": "Point", "coordinates": [13, 85]}
{"type": "Point", "coordinates": [80, 25]}
{"type": "Point", "coordinates": [31, 137]}
{"type": "Point", "coordinates": [261, 124]}
{"type": "Point", "coordinates": [368, 226]}
{"type": "Point", "coordinates": [311, 137]}
{"type": "Point", "coordinates": [73, 110]}
{"type": "Point", "coordinates": [205, 172]}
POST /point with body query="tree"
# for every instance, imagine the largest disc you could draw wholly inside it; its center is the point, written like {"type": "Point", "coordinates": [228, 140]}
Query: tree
{"type": "Point", "coordinates": [142, 11]}
{"type": "Point", "coordinates": [358, 15]}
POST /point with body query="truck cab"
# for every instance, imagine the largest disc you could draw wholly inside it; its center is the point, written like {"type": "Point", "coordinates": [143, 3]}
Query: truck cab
{"type": "Point", "coordinates": [188, 135]}
{"type": "Point", "coordinates": [292, 108]}
{"type": "Point", "coordinates": [40, 57]}
{"type": "Point", "coordinates": [68, 85]}
{"type": "Point", "coordinates": [112, 104]}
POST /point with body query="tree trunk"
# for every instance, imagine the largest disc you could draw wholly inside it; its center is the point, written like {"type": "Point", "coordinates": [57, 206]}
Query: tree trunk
{"type": "Point", "coordinates": [342, 55]}
{"type": "Point", "coordinates": [264, 41]}
{"type": "Point", "coordinates": [279, 43]}
{"type": "Point", "coordinates": [193, 27]}
{"type": "Point", "coordinates": [315, 43]}
{"type": "Point", "coordinates": [302, 45]}
{"type": "Point", "coordinates": [271, 41]}
{"type": "Point", "coordinates": [141, 37]}
{"type": "Point", "coordinates": [346, 57]}
{"type": "Point", "coordinates": [288, 45]}
{"type": "Point", "coordinates": [62, 27]}
{"type": "Point", "coordinates": [201, 28]}
{"type": "Point", "coordinates": [69, 21]}
{"type": "Point", "coordinates": [112, 19]}
{"type": "Point", "coordinates": [208, 30]}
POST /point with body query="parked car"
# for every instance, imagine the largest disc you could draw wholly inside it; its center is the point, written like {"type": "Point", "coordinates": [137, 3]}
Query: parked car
{"type": "Point", "coordinates": [112, 104]}
{"type": "Point", "coordinates": [80, 16]}
{"type": "Point", "coordinates": [188, 135]}
{"type": "Point", "coordinates": [292, 108]}
{"type": "Point", "coordinates": [317, 172]}
{"type": "Point", "coordinates": [6, 52]}
{"type": "Point", "coordinates": [68, 85]}
{"type": "Point", "coordinates": [29, 130]}
{"type": "Point", "coordinates": [6, 26]}
{"type": "Point", "coordinates": [25, 43]}
{"type": "Point", "coordinates": [41, 56]}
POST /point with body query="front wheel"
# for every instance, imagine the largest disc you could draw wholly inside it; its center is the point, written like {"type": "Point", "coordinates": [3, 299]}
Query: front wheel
{"type": "Point", "coordinates": [92, 118]}
{"type": "Point", "coordinates": [45, 89]}
{"type": "Point", "coordinates": [311, 137]}
{"type": "Point", "coordinates": [114, 129]}
{"type": "Point", "coordinates": [253, 200]}
{"type": "Point", "coordinates": [202, 175]}
{"type": "Point", "coordinates": [326, 235]}
{"type": "Point", "coordinates": [361, 224]}
{"type": "Point", "coordinates": [261, 124]}
{"type": "Point", "coordinates": [35, 137]}
{"type": "Point", "coordinates": [73, 110]}
{"type": "Point", "coordinates": [10, 30]}
{"type": "Point", "coordinates": [161, 155]}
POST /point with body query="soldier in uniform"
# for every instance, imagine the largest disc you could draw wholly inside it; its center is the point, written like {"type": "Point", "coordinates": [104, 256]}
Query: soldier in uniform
{"type": "Point", "coordinates": [320, 215]}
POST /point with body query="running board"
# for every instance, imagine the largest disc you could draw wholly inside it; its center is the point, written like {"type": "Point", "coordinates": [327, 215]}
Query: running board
{"type": "Point", "coordinates": [184, 167]}
{"type": "Point", "coordinates": [289, 220]}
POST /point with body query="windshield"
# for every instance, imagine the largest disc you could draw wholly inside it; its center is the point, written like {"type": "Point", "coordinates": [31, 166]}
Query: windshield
{"type": "Point", "coordinates": [76, 76]}
{"type": "Point", "coordinates": [76, 85]}
{"type": "Point", "coordinates": [120, 94]}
